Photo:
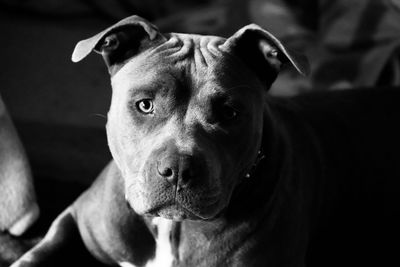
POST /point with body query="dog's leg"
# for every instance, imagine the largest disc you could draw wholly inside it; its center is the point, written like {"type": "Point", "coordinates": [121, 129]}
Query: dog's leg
{"type": "Point", "coordinates": [63, 236]}
{"type": "Point", "coordinates": [18, 206]}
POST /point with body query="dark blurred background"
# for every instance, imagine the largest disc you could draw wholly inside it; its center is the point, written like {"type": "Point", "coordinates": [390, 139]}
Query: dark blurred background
{"type": "Point", "coordinates": [59, 108]}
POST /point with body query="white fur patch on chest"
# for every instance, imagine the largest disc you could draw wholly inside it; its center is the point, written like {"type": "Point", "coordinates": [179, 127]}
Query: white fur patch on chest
{"type": "Point", "coordinates": [164, 256]}
{"type": "Point", "coordinates": [126, 264]}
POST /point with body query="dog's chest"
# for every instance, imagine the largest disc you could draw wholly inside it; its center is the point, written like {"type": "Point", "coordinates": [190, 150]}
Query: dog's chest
{"type": "Point", "coordinates": [166, 234]}
{"type": "Point", "coordinates": [164, 256]}
{"type": "Point", "coordinates": [184, 244]}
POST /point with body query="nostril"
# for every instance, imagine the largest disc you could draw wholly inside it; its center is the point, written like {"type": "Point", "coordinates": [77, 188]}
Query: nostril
{"type": "Point", "coordinates": [186, 175]}
{"type": "Point", "coordinates": [166, 172]}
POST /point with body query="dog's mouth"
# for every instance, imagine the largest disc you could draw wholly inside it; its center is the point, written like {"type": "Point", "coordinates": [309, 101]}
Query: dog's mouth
{"type": "Point", "coordinates": [177, 207]}
{"type": "Point", "coordinates": [178, 211]}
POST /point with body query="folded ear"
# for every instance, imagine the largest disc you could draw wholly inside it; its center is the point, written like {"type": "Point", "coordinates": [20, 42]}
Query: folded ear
{"type": "Point", "coordinates": [120, 41]}
{"type": "Point", "coordinates": [263, 52]}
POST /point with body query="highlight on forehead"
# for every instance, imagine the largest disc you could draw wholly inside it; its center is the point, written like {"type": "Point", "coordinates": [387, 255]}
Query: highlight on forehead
{"type": "Point", "coordinates": [139, 72]}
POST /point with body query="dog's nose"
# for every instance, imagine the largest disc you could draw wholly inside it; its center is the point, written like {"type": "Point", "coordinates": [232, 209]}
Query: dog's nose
{"type": "Point", "coordinates": [180, 169]}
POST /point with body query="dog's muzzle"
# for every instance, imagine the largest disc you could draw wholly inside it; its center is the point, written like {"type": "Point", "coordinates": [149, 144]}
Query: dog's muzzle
{"type": "Point", "coordinates": [177, 185]}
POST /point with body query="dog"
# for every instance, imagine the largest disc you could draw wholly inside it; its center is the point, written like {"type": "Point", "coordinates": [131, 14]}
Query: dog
{"type": "Point", "coordinates": [18, 206]}
{"type": "Point", "coordinates": [208, 169]}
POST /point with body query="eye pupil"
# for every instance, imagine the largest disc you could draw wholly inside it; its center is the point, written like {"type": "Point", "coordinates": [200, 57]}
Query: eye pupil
{"type": "Point", "coordinates": [145, 106]}
{"type": "Point", "coordinates": [229, 113]}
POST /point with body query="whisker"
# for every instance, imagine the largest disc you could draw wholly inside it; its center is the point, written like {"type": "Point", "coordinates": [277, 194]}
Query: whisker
{"type": "Point", "coordinates": [99, 115]}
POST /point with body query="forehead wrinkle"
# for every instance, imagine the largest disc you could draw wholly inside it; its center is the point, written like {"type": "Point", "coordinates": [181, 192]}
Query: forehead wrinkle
{"type": "Point", "coordinates": [204, 55]}
{"type": "Point", "coordinates": [183, 49]}
{"type": "Point", "coordinates": [208, 49]}
{"type": "Point", "coordinates": [199, 59]}
{"type": "Point", "coordinates": [204, 66]}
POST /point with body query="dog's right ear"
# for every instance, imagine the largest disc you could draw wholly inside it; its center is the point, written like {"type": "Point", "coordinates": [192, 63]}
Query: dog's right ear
{"type": "Point", "coordinates": [263, 52]}
{"type": "Point", "coordinates": [119, 42]}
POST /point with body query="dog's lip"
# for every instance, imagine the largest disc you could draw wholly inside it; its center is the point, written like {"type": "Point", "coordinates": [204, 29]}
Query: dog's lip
{"type": "Point", "coordinates": [210, 202]}
{"type": "Point", "coordinates": [157, 211]}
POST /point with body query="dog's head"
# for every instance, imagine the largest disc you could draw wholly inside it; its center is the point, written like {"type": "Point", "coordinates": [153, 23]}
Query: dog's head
{"type": "Point", "coordinates": [186, 117]}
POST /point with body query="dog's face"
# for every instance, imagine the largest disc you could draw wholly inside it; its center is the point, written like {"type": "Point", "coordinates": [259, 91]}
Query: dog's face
{"type": "Point", "coordinates": [183, 131]}
{"type": "Point", "coordinates": [186, 118]}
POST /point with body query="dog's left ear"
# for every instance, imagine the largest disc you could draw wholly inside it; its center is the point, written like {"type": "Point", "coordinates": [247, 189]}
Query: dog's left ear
{"type": "Point", "coordinates": [119, 42]}
{"type": "Point", "coordinates": [263, 52]}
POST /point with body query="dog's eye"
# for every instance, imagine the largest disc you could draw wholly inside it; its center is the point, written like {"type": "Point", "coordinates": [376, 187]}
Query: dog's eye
{"type": "Point", "coordinates": [228, 113]}
{"type": "Point", "coordinates": [145, 106]}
